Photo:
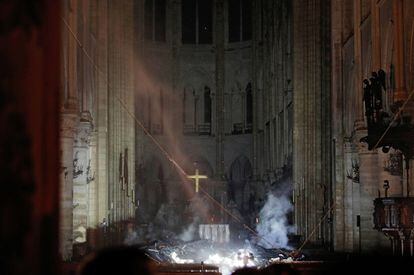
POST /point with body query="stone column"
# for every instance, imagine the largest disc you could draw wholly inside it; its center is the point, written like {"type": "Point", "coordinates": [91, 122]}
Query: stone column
{"type": "Point", "coordinates": [69, 120]}
{"type": "Point", "coordinates": [120, 105]}
{"type": "Point", "coordinates": [376, 37]}
{"type": "Point", "coordinates": [139, 134]}
{"type": "Point", "coordinates": [71, 102]}
{"type": "Point", "coordinates": [347, 199]}
{"type": "Point", "coordinates": [93, 219]}
{"type": "Point", "coordinates": [370, 239]}
{"type": "Point", "coordinates": [129, 122]}
{"type": "Point", "coordinates": [359, 123]}
{"type": "Point", "coordinates": [102, 111]}
{"type": "Point", "coordinates": [312, 117]}
{"type": "Point", "coordinates": [175, 65]}
{"type": "Point", "coordinates": [112, 154]}
{"type": "Point", "coordinates": [68, 125]}
{"type": "Point", "coordinates": [401, 93]}
{"type": "Point", "coordinates": [398, 17]}
{"type": "Point", "coordinates": [337, 132]}
{"type": "Point", "coordinates": [220, 84]}
{"type": "Point", "coordinates": [81, 168]}
{"type": "Point", "coordinates": [298, 125]}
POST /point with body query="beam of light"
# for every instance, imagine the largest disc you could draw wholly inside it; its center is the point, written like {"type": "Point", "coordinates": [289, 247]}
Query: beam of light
{"type": "Point", "coordinates": [183, 175]}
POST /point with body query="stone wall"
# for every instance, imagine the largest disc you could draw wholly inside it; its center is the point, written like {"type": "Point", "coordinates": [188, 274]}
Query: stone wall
{"type": "Point", "coordinates": [273, 85]}
{"type": "Point", "coordinates": [98, 136]}
{"type": "Point", "coordinates": [182, 73]}
{"type": "Point", "coordinates": [366, 36]}
{"type": "Point", "coordinates": [311, 130]}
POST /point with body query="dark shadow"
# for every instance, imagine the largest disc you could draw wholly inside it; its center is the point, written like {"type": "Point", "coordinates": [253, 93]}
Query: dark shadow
{"type": "Point", "coordinates": [118, 260]}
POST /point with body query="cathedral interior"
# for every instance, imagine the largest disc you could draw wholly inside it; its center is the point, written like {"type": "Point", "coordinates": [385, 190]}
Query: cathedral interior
{"type": "Point", "coordinates": [211, 135]}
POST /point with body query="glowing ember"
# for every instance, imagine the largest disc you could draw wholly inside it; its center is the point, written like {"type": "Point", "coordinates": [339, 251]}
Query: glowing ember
{"type": "Point", "coordinates": [227, 264]}
{"type": "Point", "coordinates": [178, 260]}
{"type": "Point", "coordinates": [227, 257]}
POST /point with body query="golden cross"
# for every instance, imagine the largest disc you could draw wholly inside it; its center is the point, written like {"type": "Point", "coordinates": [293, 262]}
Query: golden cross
{"type": "Point", "coordinates": [197, 177]}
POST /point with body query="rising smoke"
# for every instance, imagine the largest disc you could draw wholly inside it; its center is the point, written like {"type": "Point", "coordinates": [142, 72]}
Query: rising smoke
{"type": "Point", "coordinates": [188, 233]}
{"type": "Point", "coordinates": [273, 225]}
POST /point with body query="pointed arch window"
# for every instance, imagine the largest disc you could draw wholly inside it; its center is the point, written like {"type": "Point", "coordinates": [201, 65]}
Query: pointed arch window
{"type": "Point", "coordinates": [156, 112]}
{"type": "Point", "coordinates": [197, 21]}
{"type": "Point", "coordinates": [189, 111]}
{"type": "Point", "coordinates": [158, 127]}
{"type": "Point", "coordinates": [149, 19]}
{"type": "Point", "coordinates": [155, 23]}
{"type": "Point", "coordinates": [205, 128]}
{"type": "Point", "coordinates": [240, 20]}
{"type": "Point", "coordinates": [207, 105]}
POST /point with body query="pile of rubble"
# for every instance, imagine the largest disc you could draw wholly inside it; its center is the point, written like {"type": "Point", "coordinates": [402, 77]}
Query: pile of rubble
{"type": "Point", "coordinates": [226, 256]}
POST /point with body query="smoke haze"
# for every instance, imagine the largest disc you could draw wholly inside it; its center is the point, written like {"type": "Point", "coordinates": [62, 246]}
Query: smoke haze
{"type": "Point", "coordinates": [273, 226]}
{"type": "Point", "coordinates": [188, 233]}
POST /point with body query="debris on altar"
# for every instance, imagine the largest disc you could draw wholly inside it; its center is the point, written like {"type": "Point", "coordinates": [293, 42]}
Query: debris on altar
{"type": "Point", "coordinates": [213, 248]}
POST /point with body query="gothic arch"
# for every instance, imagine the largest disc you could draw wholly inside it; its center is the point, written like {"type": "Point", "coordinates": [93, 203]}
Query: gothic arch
{"type": "Point", "coordinates": [207, 104]}
{"type": "Point", "coordinates": [202, 164]}
{"type": "Point", "coordinates": [240, 174]}
{"type": "Point", "coordinates": [153, 189]}
{"type": "Point", "coordinates": [197, 103]}
{"type": "Point", "coordinates": [188, 87]}
{"type": "Point", "coordinates": [188, 109]}
{"type": "Point", "coordinates": [239, 77]}
{"type": "Point", "coordinates": [249, 103]}
{"type": "Point", "coordinates": [197, 74]}
{"type": "Point", "coordinates": [240, 170]}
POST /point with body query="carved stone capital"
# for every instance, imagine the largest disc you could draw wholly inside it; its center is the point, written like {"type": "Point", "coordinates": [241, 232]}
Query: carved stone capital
{"type": "Point", "coordinates": [70, 106]}
{"type": "Point", "coordinates": [350, 147]}
{"type": "Point", "coordinates": [86, 116]}
{"type": "Point", "coordinates": [68, 123]}
{"type": "Point", "coordinates": [83, 134]}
